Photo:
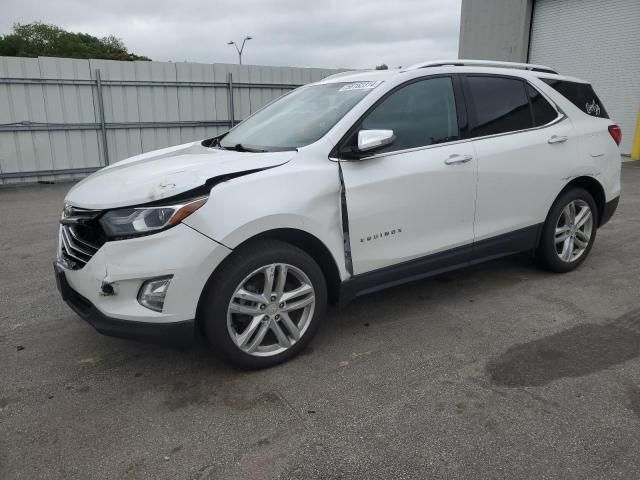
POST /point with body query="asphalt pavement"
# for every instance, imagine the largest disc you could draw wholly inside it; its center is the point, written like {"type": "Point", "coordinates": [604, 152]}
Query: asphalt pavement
{"type": "Point", "coordinates": [496, 371]}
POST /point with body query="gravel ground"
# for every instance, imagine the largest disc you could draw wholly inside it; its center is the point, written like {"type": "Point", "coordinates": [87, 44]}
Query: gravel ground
{"type": "Point", "coordinates": [497, 371]}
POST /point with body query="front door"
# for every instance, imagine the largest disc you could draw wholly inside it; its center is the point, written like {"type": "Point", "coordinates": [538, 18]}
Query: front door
{"type": "Point", "coordinates": [415, 197]}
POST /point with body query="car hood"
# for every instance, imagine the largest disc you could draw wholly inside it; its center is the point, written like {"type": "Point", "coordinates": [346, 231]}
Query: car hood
{"type": "Point", "coordinates": [164, 173]}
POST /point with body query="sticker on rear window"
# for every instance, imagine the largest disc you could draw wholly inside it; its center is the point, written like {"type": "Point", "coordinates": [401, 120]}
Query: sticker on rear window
{"type": "Point", "coordinates": [592, 108]}
{"type": "Point", "coordinates": [360, 85]}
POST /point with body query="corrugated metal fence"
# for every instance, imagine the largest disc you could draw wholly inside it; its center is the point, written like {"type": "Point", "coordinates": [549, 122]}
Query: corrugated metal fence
{"type": "Point", "coordinates": [63, 118]}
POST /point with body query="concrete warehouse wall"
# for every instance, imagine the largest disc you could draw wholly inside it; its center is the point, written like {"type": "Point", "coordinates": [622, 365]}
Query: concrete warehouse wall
{"type": "Point", "coordinates": [495, 30]}
{"type": "Point", "coordinates": [55, 113]}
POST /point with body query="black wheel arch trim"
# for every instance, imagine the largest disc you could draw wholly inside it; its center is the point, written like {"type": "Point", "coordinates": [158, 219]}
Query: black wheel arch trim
{"type": "Point", "coordinates": [592, 185]}
{"type": "Point", "coordinates": [609, 210]}
{"type": "Point", "coordinates": [303, 240]}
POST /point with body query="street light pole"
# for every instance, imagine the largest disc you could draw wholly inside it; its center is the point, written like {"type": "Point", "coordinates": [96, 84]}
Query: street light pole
{"type": "Point", "coordinates": [239, 50]}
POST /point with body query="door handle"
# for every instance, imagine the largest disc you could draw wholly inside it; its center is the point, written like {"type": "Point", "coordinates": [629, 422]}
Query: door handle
{"type": "Point", "coordinates": [557, 139]}
{"type": "Point", "coordinates": [456, 159]}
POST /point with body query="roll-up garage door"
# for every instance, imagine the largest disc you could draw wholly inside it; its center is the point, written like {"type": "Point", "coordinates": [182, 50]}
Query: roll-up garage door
{"type": "Point", "coordinates": [598, 41]}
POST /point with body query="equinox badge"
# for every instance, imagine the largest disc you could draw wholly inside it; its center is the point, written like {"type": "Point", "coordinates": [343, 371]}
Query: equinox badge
{"type": "Point", "coordinates": [377, 236]}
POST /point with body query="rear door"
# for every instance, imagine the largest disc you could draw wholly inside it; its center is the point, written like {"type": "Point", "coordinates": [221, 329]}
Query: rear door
{"type": "Point", "coordinates": [416, 196]}
{"type": "Point", "coordinates": [521, 142]}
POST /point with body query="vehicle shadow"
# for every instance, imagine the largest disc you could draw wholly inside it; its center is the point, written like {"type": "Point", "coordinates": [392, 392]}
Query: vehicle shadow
{"type": "Point", "coordinates": [394, 303]}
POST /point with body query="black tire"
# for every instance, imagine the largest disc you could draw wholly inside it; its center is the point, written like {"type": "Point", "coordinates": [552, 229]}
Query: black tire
{"type": "Point", "coordinates": [221, 287]}
{"type": "Point", "coordinates": [546, 255]}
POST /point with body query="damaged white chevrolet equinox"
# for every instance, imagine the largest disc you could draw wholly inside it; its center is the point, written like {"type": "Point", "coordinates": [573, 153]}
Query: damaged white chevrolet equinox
{"type": "Point", "coordinates": [340, 188]}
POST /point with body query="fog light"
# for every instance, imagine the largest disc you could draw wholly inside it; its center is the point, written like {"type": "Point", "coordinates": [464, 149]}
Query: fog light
{"type": "Point", "coordinates": [152, 293]}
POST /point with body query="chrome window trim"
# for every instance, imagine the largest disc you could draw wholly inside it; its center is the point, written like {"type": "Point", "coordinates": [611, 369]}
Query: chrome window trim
{"type": "Point", "coordinates": [406, 150]}
{"type": "Point", "coordinates": [561, 115]}
{"type": "Point", "coordinates": [558, 119]}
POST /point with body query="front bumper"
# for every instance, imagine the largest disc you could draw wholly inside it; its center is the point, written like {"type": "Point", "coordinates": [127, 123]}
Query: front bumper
{"type": "Point", "coordinates": [179, 334]}
{"type": "Point", "coordinates": [123, 266]}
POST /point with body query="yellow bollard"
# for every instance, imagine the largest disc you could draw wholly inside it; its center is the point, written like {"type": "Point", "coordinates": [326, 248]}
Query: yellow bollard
{"type": "Point", "coordinates": [635, 149]}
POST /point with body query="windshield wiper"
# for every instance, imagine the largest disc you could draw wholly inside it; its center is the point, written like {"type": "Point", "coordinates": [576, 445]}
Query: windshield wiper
{"type": "Point", "coordinates": [241, 148]}
{"type": "Point", "coordinates": [212, 143]}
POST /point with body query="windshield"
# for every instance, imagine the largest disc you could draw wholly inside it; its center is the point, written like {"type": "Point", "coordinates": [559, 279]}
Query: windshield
{"type": "Point", "coordinates": [297, 119]}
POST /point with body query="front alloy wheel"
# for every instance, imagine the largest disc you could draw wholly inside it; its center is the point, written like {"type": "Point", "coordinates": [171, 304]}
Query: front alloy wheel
{"type": "Point", "coordinates": [263, 305]}
{"type": "Point", "coordinates": [270, 309]}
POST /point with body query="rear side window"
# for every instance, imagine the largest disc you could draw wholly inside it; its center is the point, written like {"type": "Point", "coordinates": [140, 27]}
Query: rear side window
{"type": "Point", "coordinates": [499, 104]}
{"type": "Point", "coordinates": [420, 114]}
{"type": "Point", "coordinates": [580, 94]}
{"type": "Point", "coordinates": [542, 110]}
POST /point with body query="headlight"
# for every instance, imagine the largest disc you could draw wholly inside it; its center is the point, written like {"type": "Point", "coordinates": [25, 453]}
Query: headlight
{"type": "Point", "coordinates": [134, 221]}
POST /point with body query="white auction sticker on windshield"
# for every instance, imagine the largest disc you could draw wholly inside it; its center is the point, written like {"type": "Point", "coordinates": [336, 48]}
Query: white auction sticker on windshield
{"type": "Point", "coordinates": [360, 85]}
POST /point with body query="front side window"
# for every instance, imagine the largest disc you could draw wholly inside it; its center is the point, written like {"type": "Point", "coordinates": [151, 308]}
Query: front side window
{"type": "Point", "coordinates": [420, 114]}
{"type": "Point", "coordinates": [499, 104]}
{"type": "Point", "coordinates": [297, 119]}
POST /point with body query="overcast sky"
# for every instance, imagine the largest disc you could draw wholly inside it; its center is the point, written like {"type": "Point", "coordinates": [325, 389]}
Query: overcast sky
{"type": "Point", "coordinates": [330, 33]}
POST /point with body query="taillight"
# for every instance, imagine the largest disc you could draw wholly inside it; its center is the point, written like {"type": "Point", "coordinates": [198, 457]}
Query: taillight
{"type": "Point", "coordinates": [616, 133]}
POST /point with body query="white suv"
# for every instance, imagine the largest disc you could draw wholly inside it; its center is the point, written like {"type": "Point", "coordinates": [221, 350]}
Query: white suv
{"type": "Point", "coordinates": [340, 188]}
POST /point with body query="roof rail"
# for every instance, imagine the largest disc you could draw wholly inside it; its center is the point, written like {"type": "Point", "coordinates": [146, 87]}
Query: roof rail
{"type": "Point", "coordinates": [483, 63]}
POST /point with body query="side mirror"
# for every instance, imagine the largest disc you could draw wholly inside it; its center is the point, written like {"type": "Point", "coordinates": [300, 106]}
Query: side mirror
{"type": "Point", "coordinates": [373, 139]}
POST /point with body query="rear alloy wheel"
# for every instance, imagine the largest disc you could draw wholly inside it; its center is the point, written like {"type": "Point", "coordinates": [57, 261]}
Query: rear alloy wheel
{"type": "Point", "coordinates": [263, 305]}
{"type": "Point", "coordinates": [569, 231]}
{"type": "Point", "coordinates": [573, 231]}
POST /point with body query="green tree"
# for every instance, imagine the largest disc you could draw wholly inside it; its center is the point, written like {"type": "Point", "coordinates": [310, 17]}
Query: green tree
{"type": "Point", "coordinates": [382, 67]}
{"type": "Point", "coordinates": [40, 39]}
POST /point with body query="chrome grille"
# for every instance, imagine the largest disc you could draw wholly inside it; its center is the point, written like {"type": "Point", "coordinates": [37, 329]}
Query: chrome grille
{"type": "Point", "coordinates": [80, 236]}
